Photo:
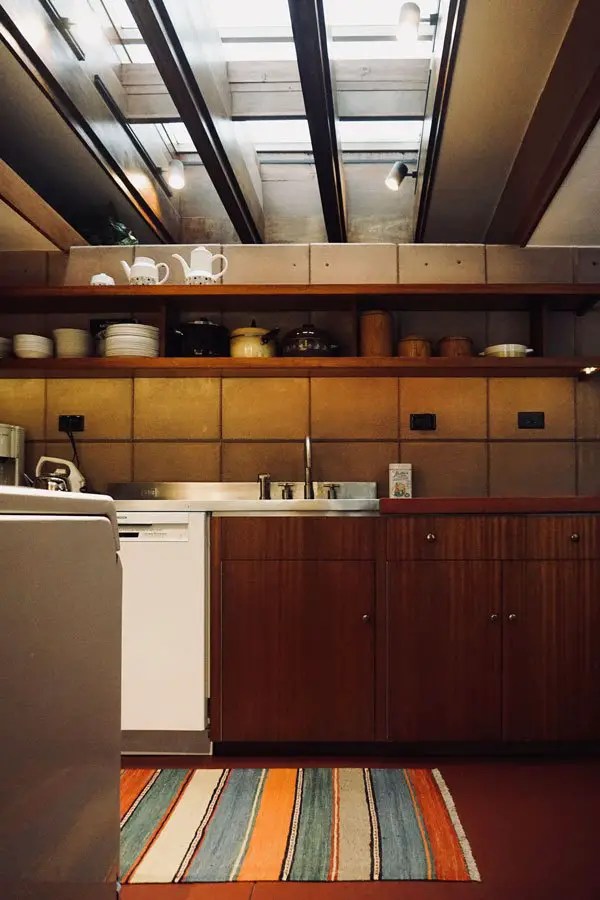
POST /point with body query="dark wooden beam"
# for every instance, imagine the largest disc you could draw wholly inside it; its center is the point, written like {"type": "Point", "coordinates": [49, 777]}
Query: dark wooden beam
{"type": "Point", "coordinates": [310, 38]}
{"type": "Point", "coordinates": [445, 48]}
{"type": "Point", "coordinates": [566, 114]}
{"type": "Point", "coordinates": [166, 28]}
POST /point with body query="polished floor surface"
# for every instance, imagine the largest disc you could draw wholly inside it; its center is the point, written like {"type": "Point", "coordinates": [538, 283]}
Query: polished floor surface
{"type": "Point", "coordinates": [533, 826]}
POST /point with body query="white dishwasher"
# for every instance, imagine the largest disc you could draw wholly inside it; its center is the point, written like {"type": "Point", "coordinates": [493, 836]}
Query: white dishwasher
{"type": "Point", "coordinates": [165, 659]}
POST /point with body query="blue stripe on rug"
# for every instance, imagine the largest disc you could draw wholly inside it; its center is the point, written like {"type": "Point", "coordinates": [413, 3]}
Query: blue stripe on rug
{"type": "Point", "coordinates": [216, 856]}
{"type": "Point", "coordinates": [403, 853]}
{"type": "Point", "coordinates": [313, 846]}
{"type": "Point", "coordinates": [150, 812]}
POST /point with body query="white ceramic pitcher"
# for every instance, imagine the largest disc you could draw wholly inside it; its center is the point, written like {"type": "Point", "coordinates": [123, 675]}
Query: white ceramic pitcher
{"type": "Point", "coordinates": [145, 271]}
{"type": "Point", "coordinates": [200, 271]}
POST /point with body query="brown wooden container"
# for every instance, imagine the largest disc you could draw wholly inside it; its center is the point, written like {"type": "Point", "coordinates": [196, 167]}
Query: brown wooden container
{"type": "Point", "coordinates": [376, 333]}
{"type": "Point", "coordinates": [455, 346]}
{"type": "Point", "coordinates": [414, 346]}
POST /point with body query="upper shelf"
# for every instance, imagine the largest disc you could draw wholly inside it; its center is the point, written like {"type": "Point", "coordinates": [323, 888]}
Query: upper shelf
{"type": "Point", "coordinates": [282, 367]}
{"type": "Point", "coordinates": [305, 296]}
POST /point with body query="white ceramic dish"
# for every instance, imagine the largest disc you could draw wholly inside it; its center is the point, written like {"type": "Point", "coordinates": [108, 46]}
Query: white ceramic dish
{"type": "Point", "coordinates": [507, 350]}
{"type": "Point", "coordinates": [28, 353]}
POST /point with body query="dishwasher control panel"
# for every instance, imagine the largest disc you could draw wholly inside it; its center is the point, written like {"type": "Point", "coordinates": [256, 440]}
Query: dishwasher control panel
{"type": "Point", "coordinates": [162, 527]}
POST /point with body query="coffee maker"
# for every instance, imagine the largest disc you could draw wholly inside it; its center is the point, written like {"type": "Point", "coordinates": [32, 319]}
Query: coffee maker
{"type": "Point", "coordinates": [12, 454]}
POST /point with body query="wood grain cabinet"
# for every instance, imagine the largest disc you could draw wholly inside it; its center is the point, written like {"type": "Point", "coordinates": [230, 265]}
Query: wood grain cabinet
{"type": "Point", "coordinates": [497, 634]}
{"type": "Point", "coordinates": [296, 658]}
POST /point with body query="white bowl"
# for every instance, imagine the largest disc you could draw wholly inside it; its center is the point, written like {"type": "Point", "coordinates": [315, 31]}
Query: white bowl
{"type": "Point", "coordinates": [28, 353]}
{"type": "Point", "coordinates": [507, 350]}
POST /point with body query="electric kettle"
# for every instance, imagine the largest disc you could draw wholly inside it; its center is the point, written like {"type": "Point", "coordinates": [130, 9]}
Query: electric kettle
{"type": "Point", "coordinates": [54, 474]}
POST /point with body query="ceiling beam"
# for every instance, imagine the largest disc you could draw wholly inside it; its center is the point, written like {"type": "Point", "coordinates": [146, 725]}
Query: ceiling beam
{"type": "Point", "coordinates": [184, 46]}
{"type": "Point", "coordinates": [310, 38]}
{"type": "Point", "coordinates": [445, 48]}
{"type": "Point", "coordinates": [564, 118]}
{"type": "Point", "coordinates": [17, 194]}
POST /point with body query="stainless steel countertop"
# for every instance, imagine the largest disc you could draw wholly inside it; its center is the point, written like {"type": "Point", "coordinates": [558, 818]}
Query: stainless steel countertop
{"type": "Point", "coordinates": [253, 507]}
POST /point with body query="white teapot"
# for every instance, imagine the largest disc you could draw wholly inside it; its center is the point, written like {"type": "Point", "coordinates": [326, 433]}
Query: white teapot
{"type": "Point", "coordinates": [144, 271]}
{"type": "Point", "coordinates": [200, 271]}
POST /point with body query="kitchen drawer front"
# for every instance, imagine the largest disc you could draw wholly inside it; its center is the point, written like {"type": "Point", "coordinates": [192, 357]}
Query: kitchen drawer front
{"type": "Point", "coordinates": [297, 537]}
{"type": "Point", "coordinates": [453, 537]}
{"type": "Point", "coordinates": [562, 537]}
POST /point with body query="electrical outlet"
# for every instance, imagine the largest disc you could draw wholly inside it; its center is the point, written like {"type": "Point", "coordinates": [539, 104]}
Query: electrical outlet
{"type": "Point", "coordinates": [423, 422]}
{"type": "Point", "coordinates": [531, 420]}
{"type": "Point", "coordinates": [71, 424]}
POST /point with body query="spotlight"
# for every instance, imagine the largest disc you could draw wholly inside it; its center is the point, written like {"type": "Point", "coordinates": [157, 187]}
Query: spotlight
{"type": "Point", "coordinates": [397, 174]}
{"type": "Point", "coordinates": [408, 22]}
{"type": "Point", "coordinates": [176, 175]}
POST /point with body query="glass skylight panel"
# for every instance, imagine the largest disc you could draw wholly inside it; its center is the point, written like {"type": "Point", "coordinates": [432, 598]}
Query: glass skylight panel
{"type": "Point", "coordinates": [255, 51]}
{"type": "Point", "coordinates": [267, 134]}
{"type": "Point", "coordinates": [179, 137]}
{"type": "Point", "coordinates": [119, 13]}
{"type": "Point", "coordinates": [371, 12]}
{"type": "Point", "coordinates": [138, 53]}
{"type": "Point", "coordinates": [245, 13]}
{"type": "Point", "coordinates": [383, 134]}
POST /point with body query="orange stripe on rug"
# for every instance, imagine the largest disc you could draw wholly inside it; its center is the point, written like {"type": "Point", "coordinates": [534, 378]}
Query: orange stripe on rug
{"type": "Point", "coordinates": [447, 853]}
{"type": "Point", "coordinates": [266, 850]}
{"type": "Point", "coordinates": [133, 782]}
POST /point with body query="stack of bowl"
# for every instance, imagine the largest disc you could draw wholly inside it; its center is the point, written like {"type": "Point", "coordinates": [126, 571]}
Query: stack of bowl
{"type": "Point", "coordinates": [32, 346]}
{"type": "Point", "coordinates": [131, 340]}
{"type": "Point", "coordinates": [72, 342]}
{"type": "Point", "coordinates": [5, 345]}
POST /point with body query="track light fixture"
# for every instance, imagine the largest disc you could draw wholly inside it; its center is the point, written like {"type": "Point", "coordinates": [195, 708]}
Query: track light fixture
{"type": "Point", "coordinates": [176, 175]}
{"type": "Point", "coordinates": [408, 22]}
{"type": "Point", "coordinates": [397, 174]}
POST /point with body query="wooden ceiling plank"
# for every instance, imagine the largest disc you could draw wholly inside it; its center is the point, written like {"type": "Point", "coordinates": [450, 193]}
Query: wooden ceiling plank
{"type": "Point", "coordinates": [184, 47]}
{"type": "Point", "coordinates": [567, 112]}
{"type": "Point", "coordinates": [34, 209]}
{"type": "Point", "coordinates": [310, 38]}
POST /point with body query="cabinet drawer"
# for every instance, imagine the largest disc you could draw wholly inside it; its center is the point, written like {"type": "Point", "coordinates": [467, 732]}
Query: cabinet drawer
{"type": "Point", "coordinates": [453, 537]}
{"type": "Point", "coordinates": [562, 537]}
{"type": "Point", "coordinates": [291, 537]}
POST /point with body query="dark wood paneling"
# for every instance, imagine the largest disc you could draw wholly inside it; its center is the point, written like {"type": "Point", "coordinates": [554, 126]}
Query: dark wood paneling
{"type": "Point", "coordinates": [298, 537]}
{"type": "Point", "coordinates": [444, 651]}
{"type": "Point", "coordinates": [316, 78]}
{"type": "Point", "coordinates": [454, 537]}
{"type": "Point", "coordinates": [68, 84]}
{"type": "Point", "coordinates": [562, 537]}
{"type": "Point", "coordinates": [166, 28]}
{"type": "Point", "coordinates": [215, 625]}
{"type": "Point", "coordinates": [489, 505]}
{"type": "Point", "coordinates": [565, 116]}
{"type": "Point", "coordinates": [551, 665]}
{"type": "Point", "coordinates": [297, 650]}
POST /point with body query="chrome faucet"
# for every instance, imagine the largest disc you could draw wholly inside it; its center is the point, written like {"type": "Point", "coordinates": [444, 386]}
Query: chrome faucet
{"type": "Point", "coordinates": [309, 491]}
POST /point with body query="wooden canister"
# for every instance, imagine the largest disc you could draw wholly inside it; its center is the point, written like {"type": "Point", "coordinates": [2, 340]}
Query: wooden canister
{"type": "Point", "coordinates": [455, 346]}
{"type": "Point", "coordinates": [376, 333]}
{"type": "Point", "coordinates": [415, 346]}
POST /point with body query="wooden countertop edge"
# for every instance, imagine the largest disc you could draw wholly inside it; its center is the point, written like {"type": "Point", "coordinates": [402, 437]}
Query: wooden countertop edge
{"type": "Point", "coordinates": [488, 505]}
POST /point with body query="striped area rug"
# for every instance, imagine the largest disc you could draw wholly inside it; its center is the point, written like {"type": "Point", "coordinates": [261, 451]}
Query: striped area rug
{"type": "Point", "coordinates": [220, 825]}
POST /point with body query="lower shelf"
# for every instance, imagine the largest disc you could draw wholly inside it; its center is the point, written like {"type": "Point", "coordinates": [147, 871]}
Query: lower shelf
{"type": "Point", "coordinates": [477, 367]}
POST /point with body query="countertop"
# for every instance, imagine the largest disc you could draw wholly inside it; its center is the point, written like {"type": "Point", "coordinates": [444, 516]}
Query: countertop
{"type": "Point", "coordinates": [491, 505]}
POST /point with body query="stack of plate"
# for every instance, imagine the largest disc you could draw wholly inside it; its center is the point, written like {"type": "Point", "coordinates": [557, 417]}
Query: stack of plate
{"type": "Point", "coordinates": [5, 345]}
{"type": "Point", "coordinates": [72, 342]}
{"type": "Point", "coordinates": [32, 346]}
{"type": "Point", "coordinates": [131, 340]}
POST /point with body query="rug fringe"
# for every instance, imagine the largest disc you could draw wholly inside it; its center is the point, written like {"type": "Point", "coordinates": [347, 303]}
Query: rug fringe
{"type": "Point", "coordinates": [460, 831]}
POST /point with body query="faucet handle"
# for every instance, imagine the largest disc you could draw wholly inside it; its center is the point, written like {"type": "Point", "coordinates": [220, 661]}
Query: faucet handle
{"type": "Point", "coordinates": [287, 490]}
{"type": "Point", "coordinates": [332, 490]}
{"type": "Point", "coordinates": [264, 486]}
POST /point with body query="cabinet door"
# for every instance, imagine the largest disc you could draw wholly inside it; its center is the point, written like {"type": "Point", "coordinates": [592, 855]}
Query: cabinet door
{"type": "Point", "coordinates": [444, 651]}
{"type": "Point", "coordinates": [297, 650]}
{"type": "Point", "coordinates": [552, 650]}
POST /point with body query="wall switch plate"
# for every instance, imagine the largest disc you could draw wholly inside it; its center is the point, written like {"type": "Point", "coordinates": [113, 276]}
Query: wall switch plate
{"type": "Point", "coordinates": [423, 422]}
{"type": "Point", "coordinates": [71, 424]}
{"type": "Point", "coordinates": [531, 420]}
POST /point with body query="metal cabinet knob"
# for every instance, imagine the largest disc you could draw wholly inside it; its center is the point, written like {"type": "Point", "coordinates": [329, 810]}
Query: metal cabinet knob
{"type": "Point", "coordinates": [512, 617]}
{"type": "Point", "coordinates": [431, 537]}
{"type": "Point", "coordinates": [575, 537]}
{"type": "Point", "coordinates": [493, 617]}
{"type": "Point", "coordinates": [366, 617]}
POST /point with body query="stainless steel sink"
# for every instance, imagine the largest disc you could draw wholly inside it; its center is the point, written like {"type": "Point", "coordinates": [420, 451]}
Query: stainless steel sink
{"type": "Point", "coordinates": [245, 491]}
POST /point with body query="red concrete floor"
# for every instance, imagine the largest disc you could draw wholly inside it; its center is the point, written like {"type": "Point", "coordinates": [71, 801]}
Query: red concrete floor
{"type": "Point", "coordinates": [533, 828]}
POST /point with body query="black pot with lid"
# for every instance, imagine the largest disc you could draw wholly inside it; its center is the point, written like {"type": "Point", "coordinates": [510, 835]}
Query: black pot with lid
{"type": "Point", "coordinates": [308, 340]}
{"type": "Point", "coordinates": [198, 338]}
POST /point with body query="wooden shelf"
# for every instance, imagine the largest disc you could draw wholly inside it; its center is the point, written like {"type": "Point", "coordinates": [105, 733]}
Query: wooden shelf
{"type": "Point", "coordinates": [477, 367]}
{"type": "Point", "coordinates": [301, 296]}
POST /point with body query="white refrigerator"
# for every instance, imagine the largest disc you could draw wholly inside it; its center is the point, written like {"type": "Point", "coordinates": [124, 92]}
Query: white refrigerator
{"type": "Point", "coordinates": [60, 673]}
